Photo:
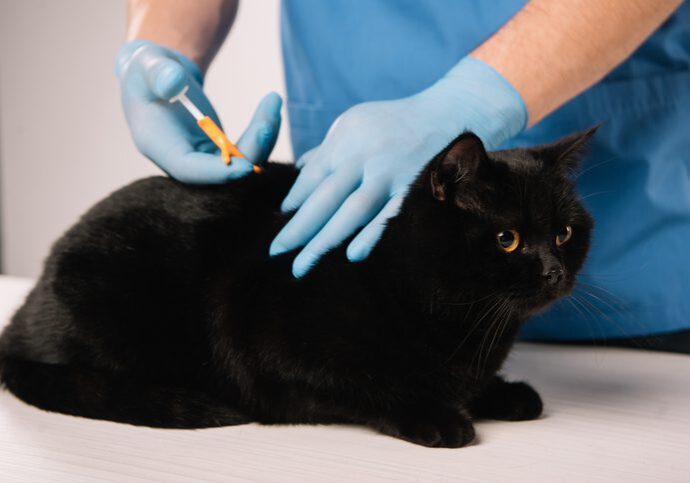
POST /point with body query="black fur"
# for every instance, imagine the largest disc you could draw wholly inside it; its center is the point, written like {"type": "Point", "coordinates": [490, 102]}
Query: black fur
{"type": "Point", "coordinates": [161, 307]}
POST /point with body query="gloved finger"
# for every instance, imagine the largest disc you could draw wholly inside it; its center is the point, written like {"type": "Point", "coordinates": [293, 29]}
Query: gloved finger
{"type": "Point", "coordinates": [260, 137]}
{"type": "Point", "coordinates": [165, 77]}
{"type": "Point", "coordinates": [364, 242]}
{"type": "Point", "coordinates": [308, 180]}
{"type": "Point", "coordinates": [124, 56]}
{"type": "Point", "coordinates": [185, 164]}
{"type": "Point", "coordinates": [203, 168]}
{"type": "Point", "coordinates": [306, 157]}
{"type": "Point", "coordinates": [359, 208]}
{"type": "Point", "coordinates": [316, 211]}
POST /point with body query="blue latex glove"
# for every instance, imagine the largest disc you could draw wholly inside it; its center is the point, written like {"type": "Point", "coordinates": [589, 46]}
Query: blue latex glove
{"type": "Point", "coordinates": [359, 175]}
{"type": "Point", "coordinates": [167, 134]}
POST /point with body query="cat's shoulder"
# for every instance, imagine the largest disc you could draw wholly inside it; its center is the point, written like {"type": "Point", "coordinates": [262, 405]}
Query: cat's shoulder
{"type": "Point", "coordinates": [158, 193]}
{"type": "Point", "coordinates": [157, 188]}
{"type": "Point", "coordinates": [275, 177]}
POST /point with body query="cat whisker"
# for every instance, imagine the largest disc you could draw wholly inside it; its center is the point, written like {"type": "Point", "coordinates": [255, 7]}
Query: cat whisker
{"type": "Point", "coordinates": [603, 314]}
{"type": "Point", "coordinates": [588, 311]}
{"type": "Point", "coordinates": [598, 287]}
{"type": "Point", "coordinates": [504, 318]}
{"type": "Point", "coordinates": [583, 172]}
{"type": "Point", "coordinates": [618, 311]}
{"type": "Point", "coordinates": [460, 304]}
{"type": "Point", "coordinates": [502, 309]}
{"type": "Point", "coordinates": [596, 193]}
{"type": "Point", "coordinates": [584, 317]}
{"type": "Point", "coordinates": [612, 275]}
{"type": "Point", "coordinates": [616, 304]}
{"type": "Point", "coordinates": [474, 327]}
{"type": "Point", "coordinates": [478, 354]}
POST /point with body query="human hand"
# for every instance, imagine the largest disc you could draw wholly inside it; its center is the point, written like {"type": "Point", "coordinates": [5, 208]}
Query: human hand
{"type": "Point", "coordinates": [360, 174]}
{"type": "Point", "coordinates": [167, 134]}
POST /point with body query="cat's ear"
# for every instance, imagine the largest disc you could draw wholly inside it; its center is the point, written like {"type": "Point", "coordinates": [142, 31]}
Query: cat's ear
{"type": "Point", "coordinates": [564, 155]}
{"type": "Point", "coordinates": [456, 164]}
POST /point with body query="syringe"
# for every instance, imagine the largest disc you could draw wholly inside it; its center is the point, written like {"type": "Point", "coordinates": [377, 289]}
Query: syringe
{"type": "Point", "coordinates": [211, 129]}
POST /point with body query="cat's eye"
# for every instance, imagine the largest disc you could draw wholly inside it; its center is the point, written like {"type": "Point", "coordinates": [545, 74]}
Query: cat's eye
{"type": "Point", "coordinates": [564, 235]}
{"type": "Point", "coordinates": [508, 240]}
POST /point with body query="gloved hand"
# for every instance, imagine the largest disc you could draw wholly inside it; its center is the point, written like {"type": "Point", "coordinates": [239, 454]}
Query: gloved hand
{"type": "Point", "coordinates": [359, 175]}
{"type": "Point", "coordinates": [167, 134]}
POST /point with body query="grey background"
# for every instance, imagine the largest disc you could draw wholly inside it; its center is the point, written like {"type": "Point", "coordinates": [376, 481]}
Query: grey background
{"type": "Point", "coordinates": [64, 143]}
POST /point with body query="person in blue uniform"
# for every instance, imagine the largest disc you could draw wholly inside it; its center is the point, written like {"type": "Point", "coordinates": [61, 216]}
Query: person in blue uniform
{"type": "Point", "coordinates": [376, 88]}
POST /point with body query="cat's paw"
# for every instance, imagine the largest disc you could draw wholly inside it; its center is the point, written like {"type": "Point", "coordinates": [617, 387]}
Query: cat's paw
{"type": "Point", "coordinates": [446, 429]}
{"type": "Point", "coordinates": [508, 401]}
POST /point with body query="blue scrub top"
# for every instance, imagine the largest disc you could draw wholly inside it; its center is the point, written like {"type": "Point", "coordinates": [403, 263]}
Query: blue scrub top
{"type": "Point", "coordinates": [635, 180]}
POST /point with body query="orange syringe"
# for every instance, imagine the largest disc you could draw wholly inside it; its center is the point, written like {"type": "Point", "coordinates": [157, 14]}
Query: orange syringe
{"type": "Point", "coordinates": [211, 129]}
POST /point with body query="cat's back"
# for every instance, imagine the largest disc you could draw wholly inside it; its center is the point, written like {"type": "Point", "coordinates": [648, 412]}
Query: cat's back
{"type": "Point", "coordinates": [145, 252]}
{"type": "Point", "coordinates": [253, 193]}
{"type": "Point", "coordinates": [159, 225]}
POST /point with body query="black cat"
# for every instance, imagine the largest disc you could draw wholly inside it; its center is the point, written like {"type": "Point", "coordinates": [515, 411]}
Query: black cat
{"type": "Point", "coordinates": [161, 307]}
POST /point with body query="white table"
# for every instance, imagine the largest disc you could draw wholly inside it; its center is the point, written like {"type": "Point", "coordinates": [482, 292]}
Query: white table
{"type": "Point", "coordinates": [611, 415]}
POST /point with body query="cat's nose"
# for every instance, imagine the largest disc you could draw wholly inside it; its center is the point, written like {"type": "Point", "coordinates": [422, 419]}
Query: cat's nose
{"type": "Point", "coordinates": [553, 275]}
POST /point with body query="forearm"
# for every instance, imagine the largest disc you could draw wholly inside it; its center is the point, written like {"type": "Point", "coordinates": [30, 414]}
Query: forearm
{"type": "Point", "coordinates": [196, 29]}
{"type": "Point", "coordinates": [551, 51]}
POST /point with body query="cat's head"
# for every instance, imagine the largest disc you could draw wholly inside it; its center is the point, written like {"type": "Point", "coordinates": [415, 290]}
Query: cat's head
{"type": "Point", "coordinates": [513, 224]}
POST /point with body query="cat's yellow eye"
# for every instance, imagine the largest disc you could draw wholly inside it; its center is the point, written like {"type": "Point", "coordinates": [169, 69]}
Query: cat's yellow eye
{"type": "Point", "coordinates": [508, 240]}
{"type": "Point", "coordinates": [564, 235]}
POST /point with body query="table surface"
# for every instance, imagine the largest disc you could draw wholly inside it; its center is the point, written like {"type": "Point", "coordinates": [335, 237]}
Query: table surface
{"type": "Point", "coordinates": [610, 415]}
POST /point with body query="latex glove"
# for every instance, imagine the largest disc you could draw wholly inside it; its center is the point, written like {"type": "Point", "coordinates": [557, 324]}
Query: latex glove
{"type": "Point", "coordinates": [167, 134]}
{"type": "Point", "coordinates": [360, 174]}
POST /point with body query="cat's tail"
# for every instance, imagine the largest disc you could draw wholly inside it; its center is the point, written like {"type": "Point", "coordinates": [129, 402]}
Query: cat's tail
{"type": "Point", "coordinates": [91, 394]}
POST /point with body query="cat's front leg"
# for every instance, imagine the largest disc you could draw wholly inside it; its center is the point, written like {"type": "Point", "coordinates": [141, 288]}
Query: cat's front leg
{"type": "Point", "coordinates": [507, 401]}
{"type": "Point", "coordinates": [434, 426]}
